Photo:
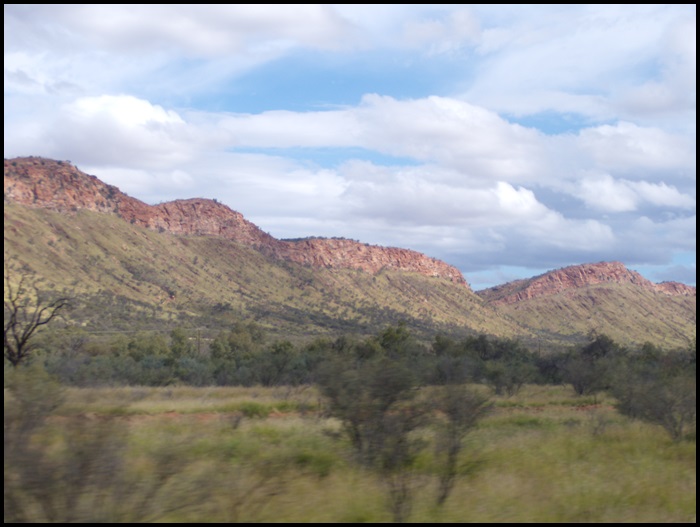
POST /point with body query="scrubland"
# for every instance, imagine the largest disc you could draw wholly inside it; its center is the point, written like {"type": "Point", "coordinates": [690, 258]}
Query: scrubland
{"type": "Point", "coordinates": [275, 454]}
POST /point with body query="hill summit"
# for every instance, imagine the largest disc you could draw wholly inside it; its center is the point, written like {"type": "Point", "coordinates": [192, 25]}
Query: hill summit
{"type": "Point", "coordinates": [60, 186]}
{"type": "Point", "coordinates": [576, 277]}
{"type": "Point", "coordinates": [129, 264]}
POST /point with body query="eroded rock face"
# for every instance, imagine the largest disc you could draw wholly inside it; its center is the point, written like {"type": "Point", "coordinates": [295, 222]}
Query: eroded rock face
{"type": "Point", "coordinates": [676, 289]}
{"type": "Point", "coordinates": [339, 252]}
{"type": "Point", "coordinates": [60, 186]}
{"type": "Point", "coordinates": [574, 277]}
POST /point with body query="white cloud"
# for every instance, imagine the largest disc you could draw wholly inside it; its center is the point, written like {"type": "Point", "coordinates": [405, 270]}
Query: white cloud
{"type": "Point", "coordinates": [285, 129]}
{"type": "Point", "coordinates": [581, 59]}
{"type": "Point", "coordinates": [124, 109]}
{"type": "Point", "coordinates": [626, 146]}
{"type": "Point", "coordinates": [154, 50]}
{"type": "Point", "coordinates": [211, 30]}
{"type": "Point", "coordinates": [121, 131]}
{"type": "Point", "coordinates": [674, 90]}
{"type": "Point", "coordinates": [446, 34]}
{"type": "Point", "coordinates": [603, 192]}
{"type": "Point", "coordinates": [453, 133]}
{"type": "Point", "coordinates": [662, 195]}
{"type": "Point", "coordinates": [139, 95]}
{"type": "Point", "coordinates": [152, 186]}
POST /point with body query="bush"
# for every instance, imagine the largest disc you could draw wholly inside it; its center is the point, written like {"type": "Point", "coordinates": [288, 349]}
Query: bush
{"type": "Point", "coordinates": [667, 401]}
{"type": "Point", "coordinates": [74, 469]}
{"type": "Point", "coordinates": [461, 408]}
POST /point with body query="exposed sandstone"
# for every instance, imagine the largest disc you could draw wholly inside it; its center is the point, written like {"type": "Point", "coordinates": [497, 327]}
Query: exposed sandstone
{"type": "Point", "coordinates": [339, 252]}
{"type": "Point", "coordinates": [575, 277]}
{"type": "Point", "coordinates": [60, 186]}
{"type": "Point", "coordinates": [676, 289]}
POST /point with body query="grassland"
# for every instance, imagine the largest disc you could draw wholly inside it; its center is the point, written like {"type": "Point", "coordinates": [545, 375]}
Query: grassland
{"type": "Point", "coordinates": [121, 276]}
{"type": "Point", "coordinates": [271, 454]}
{"type": "Point", "coordinates": [625, 312]}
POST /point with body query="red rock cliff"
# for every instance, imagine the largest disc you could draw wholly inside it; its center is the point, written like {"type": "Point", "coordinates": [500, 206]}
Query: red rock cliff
{"type": "Point", "coordinates": [574, 277]}
{"type": "Point", "coordinates": [335, 252]}
{"type": "Point", "coordinates": [58, 185]}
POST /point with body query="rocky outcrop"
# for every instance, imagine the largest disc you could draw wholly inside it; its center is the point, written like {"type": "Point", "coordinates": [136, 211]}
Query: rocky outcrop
{"type": "Point", "coordinates": [204, 217]}
{"type": "Point", "coordinates": [340, 252]}
{"type": "Point", "coordinates": [60, 186]}
{"type": "Point", "coordinates": [576, 277]}
{"type": "Point", "coordinates": [676, 289]}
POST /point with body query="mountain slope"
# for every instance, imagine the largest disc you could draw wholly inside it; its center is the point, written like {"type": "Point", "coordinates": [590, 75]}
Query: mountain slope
{"type": "Point", "coordinates": [125, 262]}
{"type": "Point", "coordinates": [128, 264]}
{"type": "Point", "coordinates": [605, 298]}
{"type": "Point", "coordinates": [59, 186]}
{"type": "Point", "coordinates": [121, 273]}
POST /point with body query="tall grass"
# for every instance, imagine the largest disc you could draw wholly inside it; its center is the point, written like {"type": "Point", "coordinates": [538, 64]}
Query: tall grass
{"type": "Point", "coordinates": [538, 457]}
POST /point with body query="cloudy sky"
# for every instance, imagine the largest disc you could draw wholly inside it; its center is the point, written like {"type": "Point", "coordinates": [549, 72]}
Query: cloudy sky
{"type": "Point", "coordinates": [505, 140]}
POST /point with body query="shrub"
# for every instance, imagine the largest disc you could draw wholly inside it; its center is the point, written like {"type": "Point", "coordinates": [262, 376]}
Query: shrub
{"type": "Point", "coordinates": [665, 401]}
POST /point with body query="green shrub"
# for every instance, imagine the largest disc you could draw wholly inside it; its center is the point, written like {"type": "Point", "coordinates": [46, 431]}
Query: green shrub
{"type": "Point", "coordinates": [252, 409]}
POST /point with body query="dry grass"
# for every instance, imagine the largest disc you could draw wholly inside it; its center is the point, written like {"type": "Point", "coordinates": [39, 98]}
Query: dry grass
{"type": "Point", "coordinates": [542, 456]}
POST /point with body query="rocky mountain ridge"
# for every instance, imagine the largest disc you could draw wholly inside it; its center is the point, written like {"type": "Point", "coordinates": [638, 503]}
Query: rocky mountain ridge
{"type": "Point", "coordinates": [576, 277]}
{"type": "Point", "coordinates": [60, 186]}
{"type": "Point", "coordinates": [126, 263]}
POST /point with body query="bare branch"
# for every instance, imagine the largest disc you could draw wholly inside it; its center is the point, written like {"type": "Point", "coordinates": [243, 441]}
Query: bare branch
{"type": "Point", "coordinates": [23, 315]}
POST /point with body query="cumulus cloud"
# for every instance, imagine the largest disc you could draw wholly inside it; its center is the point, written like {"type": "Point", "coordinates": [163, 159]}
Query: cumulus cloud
{"type": "Point", "coordinates": [626, 146]}
{"type": "Point", "coordinates": [121, 130]}
{"type": "Point", "coordinates": [674, 90]}
{"type": "Point", "coordinates": [152, 186]}
{"type": "Point", "coordinates": [453, 133]}
{"type": "Point", "coordinates": [142, 96]}
{"type": "Point", "coordinates": [420, 196]}
{"type": "Point", "coordinates": [604, 193]}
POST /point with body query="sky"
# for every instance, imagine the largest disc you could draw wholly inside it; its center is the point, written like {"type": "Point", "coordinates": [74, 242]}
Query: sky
{"type": "Point", "coordinates": [507, 140]}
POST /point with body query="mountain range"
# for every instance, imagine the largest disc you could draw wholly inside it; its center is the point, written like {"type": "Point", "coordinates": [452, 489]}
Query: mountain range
{"type": "Point", "coordinates": [197, 262]}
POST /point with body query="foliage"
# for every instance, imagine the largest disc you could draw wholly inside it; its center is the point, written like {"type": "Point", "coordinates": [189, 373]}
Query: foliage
{"type": "Point", "coordinates": [197, 281]}
{"type": "Point", "coordinates": [660, 389]}
{"type": "Point", "coordinates": [588, 368]}
{"type": "Point", "coordinates": [362, 396]}
{"type": "Point", "coordinates": [460, 409]}
{"type": "Point", "coordinates": [516, 464]}
{"type": "Point", "coordinates": [373, 393]}
{"type": "Point", "coordinates": [627, 313]}
{"type": "Point", "coordinates": [373, 397]}
{"type": "Point", "coordinates": [25, 311]}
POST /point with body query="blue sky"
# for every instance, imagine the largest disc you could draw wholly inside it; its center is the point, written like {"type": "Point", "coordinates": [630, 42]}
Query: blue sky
{"type": "Point", "coordinates": [506, 140]}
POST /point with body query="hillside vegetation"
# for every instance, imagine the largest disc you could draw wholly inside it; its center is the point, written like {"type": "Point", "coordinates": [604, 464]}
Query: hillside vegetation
{"type": "Point", "coordinates": [119, 275]}
{"type": "Point", "coordinates": [625, 312]}
{"type": "Point", "coordinates": [125, 264]}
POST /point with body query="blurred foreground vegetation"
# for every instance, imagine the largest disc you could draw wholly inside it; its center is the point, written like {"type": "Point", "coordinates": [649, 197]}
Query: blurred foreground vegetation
{"type": "Point", "coordinates": [241, 428]}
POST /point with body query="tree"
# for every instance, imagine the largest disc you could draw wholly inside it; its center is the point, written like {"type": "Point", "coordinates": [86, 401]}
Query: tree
{"type": "Point", "coordinates": [460, 409]}
{"type": "Point", "coordinates": [659, 388]}
{"type": "Point", "coordinates": [669, 403]}
{"type": "Point", "coordinates": [374, 400]}
{"type": "Point", "coordinates": [362, 395]}
{"type": "Point", "coordinates": [588, 369]}
{"type": "Point", "coordinates": [25, 312]}
{"type": "Point", "coordinates": [180, 344]}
